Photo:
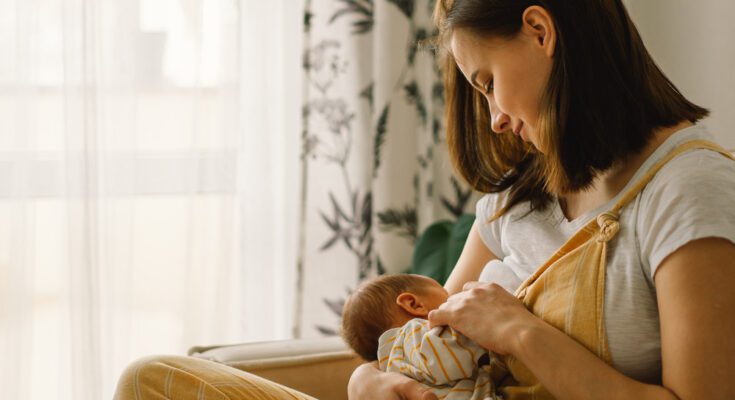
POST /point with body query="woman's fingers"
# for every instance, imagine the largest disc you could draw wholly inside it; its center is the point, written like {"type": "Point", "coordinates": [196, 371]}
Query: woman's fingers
{"type": "Point", "coordinates": [444, 314]}
{"type": "Point", "coordinates": [438, 317]}
{"type": "Point", "coordinates": [484, 312]}
{"type": "Point", "coordinates": [474, 297]}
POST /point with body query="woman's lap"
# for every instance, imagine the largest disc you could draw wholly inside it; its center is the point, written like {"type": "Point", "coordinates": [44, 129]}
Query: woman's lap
{"type": "Point", "coordinates": [176, 377]}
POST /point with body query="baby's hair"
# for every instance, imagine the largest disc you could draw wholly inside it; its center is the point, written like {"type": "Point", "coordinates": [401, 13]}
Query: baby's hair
{"type": "Point", "coordinates": [370, 311]}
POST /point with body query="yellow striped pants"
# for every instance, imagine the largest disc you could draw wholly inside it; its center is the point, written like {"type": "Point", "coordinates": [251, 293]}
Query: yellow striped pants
{"type": "Point", "coordinates": [188, 378]}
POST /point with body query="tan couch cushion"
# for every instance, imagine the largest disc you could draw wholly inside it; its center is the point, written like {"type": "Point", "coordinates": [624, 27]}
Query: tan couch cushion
{"type": "Point", "coordinates": [318, 367]}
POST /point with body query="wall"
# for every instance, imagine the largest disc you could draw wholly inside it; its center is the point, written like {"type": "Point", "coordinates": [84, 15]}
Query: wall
{"type": "Point", "coordinates": [692, 43]}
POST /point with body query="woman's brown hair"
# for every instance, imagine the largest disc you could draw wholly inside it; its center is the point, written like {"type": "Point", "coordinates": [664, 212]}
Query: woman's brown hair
{"type": "Point", "coordinates": [604, 99]}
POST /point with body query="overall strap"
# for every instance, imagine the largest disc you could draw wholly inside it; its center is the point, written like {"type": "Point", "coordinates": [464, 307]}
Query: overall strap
{"type": "Point", "coordinates": [694, 144]}
{"type": "Point", "coordinates": [605, 227]}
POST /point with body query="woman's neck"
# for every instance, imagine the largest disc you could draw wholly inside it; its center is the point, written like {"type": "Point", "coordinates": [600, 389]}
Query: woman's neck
{"type": "Point", "coordinates": [608, 184]}
{"type": "Point", "coordinates": [614, 180]}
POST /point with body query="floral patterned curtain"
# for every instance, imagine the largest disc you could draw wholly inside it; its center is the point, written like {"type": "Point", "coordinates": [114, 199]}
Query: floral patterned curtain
{"type": "Point", "coordinates": [375, 165]}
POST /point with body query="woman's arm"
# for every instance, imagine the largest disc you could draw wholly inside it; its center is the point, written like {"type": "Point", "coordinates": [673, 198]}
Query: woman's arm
{"type": "Point", "coordinates": [696, 298]}
{"type": "Point", "coordinates": [570, 371]}
{"type": "Point", "coordinates": [368, 382]}
{"type": "Point", "coordinates": [469, 266]}
{"type": "Point", "coordinates": [695, 289]}
{"type": "Point", "coordinates": [561, 364]}
{"type": "Point", "coordinates": [696, 294]}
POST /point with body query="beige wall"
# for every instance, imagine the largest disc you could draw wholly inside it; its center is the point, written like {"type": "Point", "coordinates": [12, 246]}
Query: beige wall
{"type": "Point", "coordinates": [693, 41]}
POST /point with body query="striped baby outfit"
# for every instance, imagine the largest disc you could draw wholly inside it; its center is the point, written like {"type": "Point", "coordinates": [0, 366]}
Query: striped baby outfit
{"type": "Point", "coordinates": [440, 358]}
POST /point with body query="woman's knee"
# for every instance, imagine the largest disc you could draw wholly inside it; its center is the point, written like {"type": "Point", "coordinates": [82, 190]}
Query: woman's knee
{"type": "Point", "coordinates": [147, 378]}
{"type": "Point", "coordinates": [168, 377]}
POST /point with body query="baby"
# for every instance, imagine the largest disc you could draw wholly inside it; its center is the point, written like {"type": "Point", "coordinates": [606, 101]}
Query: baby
{"type": "Point", "coordinates": [385, 320]}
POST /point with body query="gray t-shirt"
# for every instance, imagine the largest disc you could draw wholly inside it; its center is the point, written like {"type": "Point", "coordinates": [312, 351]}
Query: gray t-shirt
{"type": "Point", "coordinates": [691, 197]}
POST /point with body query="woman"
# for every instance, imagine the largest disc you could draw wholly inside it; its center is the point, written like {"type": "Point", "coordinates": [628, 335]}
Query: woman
{"type": "Point", "coordinates": [574, 82]}
{"type": "Point", "coordinates": [557, 111]}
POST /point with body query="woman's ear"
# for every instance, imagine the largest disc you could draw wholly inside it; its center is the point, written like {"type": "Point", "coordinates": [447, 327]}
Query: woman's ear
{"type": "Point", "coordinates": [539, 25]}
{"type": "Point", "coordinates": [410, 303]}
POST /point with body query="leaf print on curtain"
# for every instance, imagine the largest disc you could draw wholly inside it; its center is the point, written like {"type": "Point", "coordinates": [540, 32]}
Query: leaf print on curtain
{"type": "Point", "coordinates": [376, 170]}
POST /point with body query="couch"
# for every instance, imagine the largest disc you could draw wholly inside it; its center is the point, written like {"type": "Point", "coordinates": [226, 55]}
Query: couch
{"type": "Point", "coordinates": [318, 367]}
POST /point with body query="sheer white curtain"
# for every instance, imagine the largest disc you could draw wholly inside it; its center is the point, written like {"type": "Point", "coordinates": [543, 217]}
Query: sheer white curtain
{"type": "Point", "coordinates": [148, 183]}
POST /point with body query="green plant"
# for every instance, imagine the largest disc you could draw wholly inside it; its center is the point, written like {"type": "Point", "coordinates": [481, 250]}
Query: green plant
{"type": "Point", "coordinates": [439, 246]}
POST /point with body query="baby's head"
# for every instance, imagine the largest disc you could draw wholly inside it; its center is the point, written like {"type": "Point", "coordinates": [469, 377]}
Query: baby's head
{"type": "Point", "coordinates": [386, 302]}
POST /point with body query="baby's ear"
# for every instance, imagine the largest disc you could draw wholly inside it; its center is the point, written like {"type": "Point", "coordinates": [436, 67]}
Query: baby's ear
{"type": "Point", "coordinates": [412, 305]}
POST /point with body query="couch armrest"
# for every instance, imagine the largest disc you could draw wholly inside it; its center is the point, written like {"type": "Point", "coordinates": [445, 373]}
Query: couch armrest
{"type": "Point", "coordinates": [318, 367]}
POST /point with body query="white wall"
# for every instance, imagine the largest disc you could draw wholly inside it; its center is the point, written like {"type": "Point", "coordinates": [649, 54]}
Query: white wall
{"type": "Point", "coordinates": [692, 42]}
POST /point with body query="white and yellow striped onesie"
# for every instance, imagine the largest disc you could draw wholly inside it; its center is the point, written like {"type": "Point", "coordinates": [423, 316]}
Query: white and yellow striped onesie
{"type": "Point", "coordinates": [440, 358]}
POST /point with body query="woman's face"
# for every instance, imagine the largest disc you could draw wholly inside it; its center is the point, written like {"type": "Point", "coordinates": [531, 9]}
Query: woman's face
{"type": "Point", "coordinates": [511, 74]}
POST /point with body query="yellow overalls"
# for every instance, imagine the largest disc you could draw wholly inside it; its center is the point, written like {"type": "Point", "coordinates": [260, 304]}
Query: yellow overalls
{"type": "Point", "coordinates": [568, 291]}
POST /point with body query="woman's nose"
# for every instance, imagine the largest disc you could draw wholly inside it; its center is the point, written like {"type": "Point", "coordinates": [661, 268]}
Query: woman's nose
{"type": "Point", "coordinates": [500, 121]}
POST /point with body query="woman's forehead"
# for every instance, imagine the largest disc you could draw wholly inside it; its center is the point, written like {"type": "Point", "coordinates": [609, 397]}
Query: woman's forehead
{"type": "Point", "coordinates": [471, 50]}
{"type": "Point", "coordinates": [465, 40]}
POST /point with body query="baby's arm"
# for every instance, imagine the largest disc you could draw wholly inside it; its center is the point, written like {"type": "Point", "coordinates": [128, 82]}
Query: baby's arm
{"type": "Point", "coordinates": [452, 357]}
{"type": "Point", "coordinates": [440, 355]}
{"type": "Point", "coordinates": [399, 348]}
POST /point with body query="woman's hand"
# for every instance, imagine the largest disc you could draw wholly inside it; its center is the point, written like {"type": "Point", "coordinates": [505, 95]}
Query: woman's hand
{"type": "Point", "coordinates": [368, 382]}
{"type": "Point", "coordinates": [487, 314]}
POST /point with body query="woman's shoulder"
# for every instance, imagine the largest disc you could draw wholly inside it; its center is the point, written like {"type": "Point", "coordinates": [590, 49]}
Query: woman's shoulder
{"type": "Point", "coordinates": [692, 172]}
{"type": "Point", "coordinates": [489, 204]}
{"type": "Point", "coordinates": [691, 197]}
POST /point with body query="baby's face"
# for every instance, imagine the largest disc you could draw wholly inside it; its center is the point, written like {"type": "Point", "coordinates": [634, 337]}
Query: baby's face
{"type": "Point", "coordinates": [432, 294]}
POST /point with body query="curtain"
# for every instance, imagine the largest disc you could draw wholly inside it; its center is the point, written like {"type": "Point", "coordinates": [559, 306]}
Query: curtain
{"type": "Point", "coordinates": [375, 166]}
{"type": "Point", "coordinates": [149, 183]}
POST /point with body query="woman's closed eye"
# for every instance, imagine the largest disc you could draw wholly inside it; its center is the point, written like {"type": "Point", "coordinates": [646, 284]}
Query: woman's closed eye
{"type": "Point", "coordinates": [489, 86]}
